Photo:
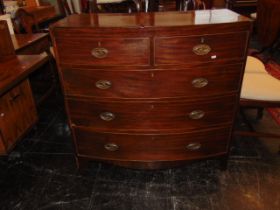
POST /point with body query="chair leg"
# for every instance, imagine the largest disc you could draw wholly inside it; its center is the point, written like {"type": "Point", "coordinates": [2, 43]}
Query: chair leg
{"type": "Point", "coordinates": [245, 120]}
{"type": "Point", "coordinates": [259, 113]}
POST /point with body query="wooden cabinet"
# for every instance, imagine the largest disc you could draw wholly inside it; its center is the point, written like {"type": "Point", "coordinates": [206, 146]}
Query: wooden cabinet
{"type": "Point", "coordinates": [144, 92]}
{"type": "Point", "coordinates": [17, 108]}
{"type": "Point", "coordinates": [17, 115]}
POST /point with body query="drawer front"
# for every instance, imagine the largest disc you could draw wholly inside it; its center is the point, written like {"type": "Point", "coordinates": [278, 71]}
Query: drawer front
{"type": "Point", "coordinates": [37, 47]}
{"type": "Point", "coordinates": [153, 84]}
{"type": "Point", "coordinates": [151, 116]}
{"type": "Point", "coordinates": [151, 147]}
{"type": "Point", "coordinates": [104, 52]}
{"type": "Point", "coordinates": [182, 50]}
{"type": "Point", "coordinates": [17, 113]}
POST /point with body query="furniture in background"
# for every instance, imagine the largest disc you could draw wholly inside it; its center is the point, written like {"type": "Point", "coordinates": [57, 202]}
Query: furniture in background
{"type": "Point", "coordinates": [268, 23]}
{"type": "Point", "coordinates": [2, 7]}
{"type": "Point", "coordinates": [259, 90]}
{"type": "Point", "coordinates": [65, 8]}
{"type": "Point", "coordinates": [93, 6]}
{"type": "Point", "coordinates": [185, 5]}
{"type": "Point", "coordinates": [31, 3]}
{"type": "Point", "coordinates": [151, 90]}
{"type": "Point", "coordinates": [44, 80]}
{"type": "Point", "coordinates": [31, 18]}
{"type": "Point", "coordinates": [245, 7]}
{"type": "Point", "coordinates": [17, 107]}
{"type": "Point", "coordinates": [7, 18]}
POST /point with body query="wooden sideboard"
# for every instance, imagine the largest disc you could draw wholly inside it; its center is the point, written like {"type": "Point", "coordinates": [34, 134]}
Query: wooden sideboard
{"type": "Point", "coordinates": [17, 107]}
{"type": "Point", "coordinates": [44, 80]}
{"type": "Point", "coordinates": [31, 44]}
{"type": "Point", "coordinates": [151, 90]}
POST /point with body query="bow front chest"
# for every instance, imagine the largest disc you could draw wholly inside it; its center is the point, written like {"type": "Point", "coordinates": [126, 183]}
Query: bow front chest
{"type": "Point", "coordinates": [151, 90]}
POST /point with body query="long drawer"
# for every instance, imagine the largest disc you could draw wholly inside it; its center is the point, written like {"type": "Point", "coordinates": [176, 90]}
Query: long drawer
{"type": "Point", "coordinates": [151, 147]}
{"type": "Point", "coordinates": [104, 52]}
{"type": "Point", "coordinates": [153, 116]}
{"type": "Point", "coordinates": [202, 48]}
{"type": "Point", "coordinates": [213, 80]}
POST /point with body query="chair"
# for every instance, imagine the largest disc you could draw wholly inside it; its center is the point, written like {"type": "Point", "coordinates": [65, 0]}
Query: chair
{"type": "Point", "coordinates": [185, 5]}
{"type": "Point", "coordinates": [90, 6]}
{"type": "Point", "coordinates": [65, 9]}
{"type": "Point", "coordinates": [259, 90]}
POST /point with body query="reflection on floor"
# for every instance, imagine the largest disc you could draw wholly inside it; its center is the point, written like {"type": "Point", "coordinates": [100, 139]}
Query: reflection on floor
{"type": "Point", "coordinates": [41, 174]}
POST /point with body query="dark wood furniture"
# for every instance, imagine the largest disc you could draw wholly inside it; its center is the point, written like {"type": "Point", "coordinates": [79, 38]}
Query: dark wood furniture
{"type": "Point", "coordinates": [268, 22]}
{"type": "Point", "coordinates": [44, 80]}
{"type": "Point", "coordinates": [151, 90]}
{"type": "Point", "coordinates": [30, 44]}
{"type": "Point", "coordinates": [17, 107]}
{"type": "Point", "coordinates": [194, 4]}
{"type": "Point", "coordinates": [242, 6]}
{"type": "Point", "coordinates": [30, 18]}
{"type": "Point", "coordinates": [2, 7]}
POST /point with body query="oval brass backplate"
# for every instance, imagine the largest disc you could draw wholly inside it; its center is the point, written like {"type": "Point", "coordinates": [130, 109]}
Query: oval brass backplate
{"type": "Point", "coordinates": [112, 147]}
{"type": "Point", "coordinates": [103, 84]}
{"type": "Point", "coordinates": [201, 49]}
{"type": "Point", "coordinates": [199, 82]}
{"type": "Point", "coordinates": [107, 116]}
{"type": "Point", "coordinates": [196, 114]}
{"type": "Point", "coordinates": [99, 52]}
{"type": "Point", "coordinates": [193, 146]}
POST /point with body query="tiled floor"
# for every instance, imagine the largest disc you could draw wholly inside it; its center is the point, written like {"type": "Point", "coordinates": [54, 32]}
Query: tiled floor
{"type": "Point", "coordinates": [41, 174]}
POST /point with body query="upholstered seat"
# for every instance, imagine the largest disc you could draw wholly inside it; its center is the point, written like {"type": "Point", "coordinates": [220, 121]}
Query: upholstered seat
{"type": "Point", "coordinates": [254, 65]}
{"type": "Point", "coordinates": [259, 90]}
{"type": "Point", "coordinates": [262, 87]}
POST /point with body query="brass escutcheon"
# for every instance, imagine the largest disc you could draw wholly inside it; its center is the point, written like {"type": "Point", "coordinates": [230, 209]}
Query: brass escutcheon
{"type": "Point", "coordinates": [201, 49]}
{"type": "Point", "coordinates": [196, 114]}
{"type": "Point", "coordinates": [111, 147]}
{"type": "Point", "coordinates": [193, 146]}
{"type": "Point", "coordinates": [199, 82]}
{"type": "Point", "coordinates": [99, 52]}
{"type": "Point", "coordinates": [103, 84]}
{"type": "Point", "coordinates": [107, 116]}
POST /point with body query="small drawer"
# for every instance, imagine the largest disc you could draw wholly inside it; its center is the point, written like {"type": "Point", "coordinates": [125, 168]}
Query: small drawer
{"type": "Point", "coordinates": [210, 81]}
{"type": "Point", "coordinates": [167, 116]}
{"type": "Point", "coordinates": [151, 147]}
{"type": "Point", "coordinates": [204, 48]}
{"type": "Point", "coordinates": [37, 47]}
{"type": "Point", "coordinates": [104, 52]}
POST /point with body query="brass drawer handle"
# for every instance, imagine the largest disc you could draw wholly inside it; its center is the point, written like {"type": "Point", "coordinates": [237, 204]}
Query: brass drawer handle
{"type": "Point", "coordinates": [112, 147]}
{"type": "Point", "coordinates": [196, 114]}
{"type": "Point", "coordinates": [107, 116]}
{"type": "Point", "coordinates": [103, 84]}
{"type": "Point", "coordinates": [201, 49]}
{"type": "Point", "coordinates": [199, 82]}
{"type": "Point", "coordinates": [193, 146]}
{"type": "Point", "coordinates": [99, 52]}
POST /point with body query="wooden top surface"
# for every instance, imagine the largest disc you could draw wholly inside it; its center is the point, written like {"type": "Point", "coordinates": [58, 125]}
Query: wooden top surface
{"type": "Point", "coordinates": [15, 69]}
{"type": "Point", "coordinates": [33, 9]}
{"type": "Point", "coordinates": [156, 19]}
{"type": "Point", "coordinates": [22, 40]}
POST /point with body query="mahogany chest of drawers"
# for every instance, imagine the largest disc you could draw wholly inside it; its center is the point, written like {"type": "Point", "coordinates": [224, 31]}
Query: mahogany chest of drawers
{"type": "Point", "coordinates": [151, 90]}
